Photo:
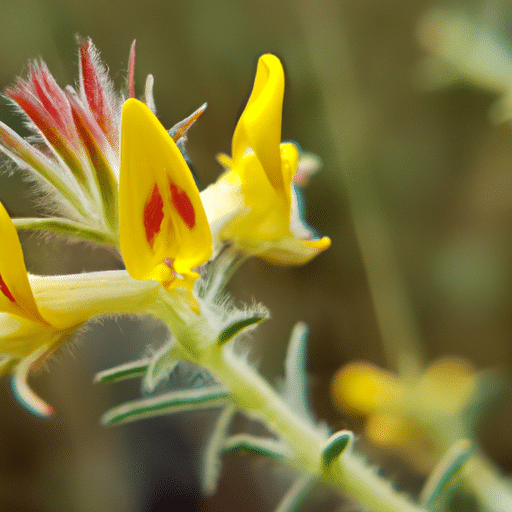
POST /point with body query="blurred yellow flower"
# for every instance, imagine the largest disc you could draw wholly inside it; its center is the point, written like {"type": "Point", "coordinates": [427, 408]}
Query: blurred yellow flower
{"type": "Point", "coordinates": [419, 418]}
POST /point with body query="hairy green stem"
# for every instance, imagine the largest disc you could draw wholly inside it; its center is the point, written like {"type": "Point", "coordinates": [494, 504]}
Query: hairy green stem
{"type": "Point", "coordinates": [257, 398]}
{"type": "Point", "coordinates": [348, 473]}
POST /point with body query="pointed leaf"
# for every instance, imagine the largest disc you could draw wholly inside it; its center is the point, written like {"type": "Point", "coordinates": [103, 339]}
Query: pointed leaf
{"type": "Point", "coordinates": [29, 157]}
{"type": "Point", "coordinates": [131, 72]}
{"type": "Point", "coordinates": [212, 458]}
{"type": "Point", "coordinates": [97, 91]}
{"type": "Point", "coordinates": [168, 403]}
{"type": "Point", "coordinates": [97, 147]}
{"type": "Point", "coordinates": [336, 445]}
{"type": "Point", "coordinates": [295, 383]}
{"type": "Point", "coordinates": [180, 129]}
{"type": "Point", "coordinates": [259, 445]}
{"type": "Point", "coordinates": [446, 470]}
{"type": "Point", "coordinates": [123, 371]}
{"type": "Point", "coordinates": [64, 227]}
{"type": "Point", "coordinates": [46, 105]}
{"type": "Point", "coordinates": [22, 391]}
{"type": "Point", "coordinates": [164, 232]}
{"type": "Point", "coordinates": [245, 320]}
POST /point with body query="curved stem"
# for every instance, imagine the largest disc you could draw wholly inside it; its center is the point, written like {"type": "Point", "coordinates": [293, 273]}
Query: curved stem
{"type": "Point", "coordinates": [256, 397]}
{"type": "Point", "coordinates": [197, 342]}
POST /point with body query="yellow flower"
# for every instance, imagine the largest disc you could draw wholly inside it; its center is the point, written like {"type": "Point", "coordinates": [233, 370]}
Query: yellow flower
{"type": "Point", "coordinates": [28, 334]}
{"type": "Point", "coordinates": [164, 236]}
{"type": "Point", "coordinates": [419, 418]}
{"type": "Point", "coordinates": [164, 232]}
{"type": "Point", "coordinates": [255, 203]}
{"type": "Point", "coordinates": [38, 314]}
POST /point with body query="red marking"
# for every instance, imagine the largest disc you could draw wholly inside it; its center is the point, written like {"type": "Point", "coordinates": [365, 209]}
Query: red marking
{"type": "Point", "coordinates": [46, 105]}
{"type": "Point", "coordinates": [131, 72]}
{"type": "Point", "coordinates": [95, 87]}
{"type": "Point", "coordinates": [51, 97]}
{"type": "Point", "coordinates": [183, 205]}
{"type": "Point", "coordinates": [5, 290]}
{"type": "Point", "coordinates": [91, 81]}
{"type": "Point", "coordinates": [153, 215]}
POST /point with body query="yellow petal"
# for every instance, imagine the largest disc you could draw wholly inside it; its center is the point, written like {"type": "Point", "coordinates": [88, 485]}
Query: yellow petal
{"type": "Point", "coordinates": [292, 251]}
{"type": "Point", "coordinates": [164, 232]}
{"type": "Point", "coordinates": [264, 217]}
{"type": "Point", "coordinates": [15, 293]}
{"type": "Point", "coordinates": [259, 126]}
{"type": "Point", "coordinates": [20, 337]}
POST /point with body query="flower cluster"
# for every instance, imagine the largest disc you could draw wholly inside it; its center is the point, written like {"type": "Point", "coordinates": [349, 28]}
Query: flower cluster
{"type": "Point", "coordinates": [418, 418]}
{"type": "Point", "coordinates": [115, 176]}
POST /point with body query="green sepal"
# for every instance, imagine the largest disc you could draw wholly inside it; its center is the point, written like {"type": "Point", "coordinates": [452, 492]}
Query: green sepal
{"type": "Point", "coordinates": [258, 445]}
{"type": "Point", "coordinates": [212, 457]}
{"type": "Point", "coordinates": [168, 403]}
{"type": "Point", "coordinates": [240, 321]}
{"type": "Point", "coordinates": [296, 494]}
{"type": "Point", "coordinates": [162, 364]}
{"type": "Point", "coordinates": [122, 372]}
{"type": "Point", "coordinates": [336, 445]}
{"type": "Point", "coordinates": [446, 471]}
{"type": "Point", "coordinates": [65, 227]}
{"type": "Point", "coordinates": [295, 390]}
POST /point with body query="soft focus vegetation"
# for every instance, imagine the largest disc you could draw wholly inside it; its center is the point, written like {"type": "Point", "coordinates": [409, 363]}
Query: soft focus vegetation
{"type": "Point", "coordinates": [416, 177]}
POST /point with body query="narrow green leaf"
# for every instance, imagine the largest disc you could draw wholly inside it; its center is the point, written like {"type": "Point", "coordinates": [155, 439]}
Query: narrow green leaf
{"type": "Point", "coordinates": [168, 403]}
{"type": "Point", "coordinates": [124, 371]}
{"type": "Point", "coordinates": [240, 325]}
{"type": "Point", "coordinates": [446, 470]}
{"type": "Point", "coordinates": [27, 156]}
{"type": "Point", "coordinates": [296, 494]}
{"type": "Point", "coordinates": [337, 444]}
{"type": "Point", "coordinates": [295, 383]}
{"type": "Point", "coordinates": [22, 391]}
{"type": "Point", "coordinates": [66, 227]}
{"type": "Point", "coordinates": [258, 445]}
{"type": "Point", "coordinates": [212, 458]}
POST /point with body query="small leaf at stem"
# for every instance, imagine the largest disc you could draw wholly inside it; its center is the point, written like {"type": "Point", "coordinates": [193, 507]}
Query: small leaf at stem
{"type": "Point", "coordinates": [168, 403]}
{"type": "Point", "coordinates": [258, 445]}
{"type": "Point", "coordinates": [446, 470]}
{"type": "Point", "coordinates": [337, 444]}
{"type": "Point", "coordinates": [239, 325]}
{"type": "Point", "coordinates": [212, 458]}
{"type": "Point", "coordinates": [122, 372]}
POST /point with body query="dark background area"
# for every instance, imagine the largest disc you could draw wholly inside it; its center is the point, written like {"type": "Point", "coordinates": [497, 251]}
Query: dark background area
{"type": "Point", "coordinates": [440, 175]}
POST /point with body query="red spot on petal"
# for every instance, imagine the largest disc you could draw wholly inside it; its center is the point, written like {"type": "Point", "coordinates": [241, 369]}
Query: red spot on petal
{"type": "Point", "coordinates": [183, 205]}
{"type": "Point", "coordinates": [5, 290]}
{"type": "Point", "coordinates": [153, 215]}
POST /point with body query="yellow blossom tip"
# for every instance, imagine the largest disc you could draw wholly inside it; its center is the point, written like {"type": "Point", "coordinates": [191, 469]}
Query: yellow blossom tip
{"type": "Point", "coordinates": [259, 126]}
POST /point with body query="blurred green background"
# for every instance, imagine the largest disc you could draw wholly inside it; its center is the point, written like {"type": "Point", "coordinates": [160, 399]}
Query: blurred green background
{"type": "Point", "coordinates": [430, 168]}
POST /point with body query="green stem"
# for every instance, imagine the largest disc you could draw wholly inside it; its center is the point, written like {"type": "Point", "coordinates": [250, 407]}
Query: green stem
{"type": "Point", "coordinates": [254, 395]}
